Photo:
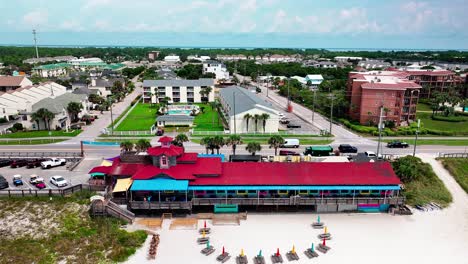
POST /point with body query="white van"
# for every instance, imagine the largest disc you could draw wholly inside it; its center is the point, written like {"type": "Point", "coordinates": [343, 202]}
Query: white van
{"type": "Point", "coordinates": [290, 143]}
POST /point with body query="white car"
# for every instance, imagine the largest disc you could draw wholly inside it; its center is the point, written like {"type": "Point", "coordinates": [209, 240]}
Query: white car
{"type": "Point", "coordinates": [281, 115]}
{"type": "Point", "coordinates": [371, 154]}
{"type": "Point", "coordinates": [58, 181]}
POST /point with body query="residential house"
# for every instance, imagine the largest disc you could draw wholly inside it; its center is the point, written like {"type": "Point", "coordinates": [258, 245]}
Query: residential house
{"type": "Point", "coordinates": [314, 79]}
{"type": "Point", "coordinates": [216, 67]}
{"type": "Point", "coordinates": [172, 58]}
{"type": "Point", "coordinates": [180, 91]}
{"type": "Point", "coordinates": [104, 85]}
{"type": "Point", "coordinates": [153, 55]}
{"type": "Point", "coordinates": [8, 83]}
{"type": "Point", "coordinates": [372, 64]}
{"type": "Point", "coordinates": [51, 70]}
{"type": "Point", "coordinates": [237, 102]}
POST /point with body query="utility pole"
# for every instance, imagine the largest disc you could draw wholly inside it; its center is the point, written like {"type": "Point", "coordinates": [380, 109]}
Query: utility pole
{"type": "Point", "coordinates": [380, 130]}
{"type": "Point", "coordinates": [35, 43]}
{"type": "Point", "coordinates": [331, 113]}
{"type": "Point", "coordinates": [112, 119]}
{"type": "Point", "coordinates": [288, 96]}
{"type": "Point", "coordinates": [416, 138]}
{"type": "Point", "coordinates": [313, 108]}
{"type": "Point", "coordinates": [234, 110]}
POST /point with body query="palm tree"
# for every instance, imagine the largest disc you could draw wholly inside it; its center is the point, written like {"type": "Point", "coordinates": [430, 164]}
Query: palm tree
{"type": "Point", "coordinates": [73, 109]}
{"type": "Point", "coordinates": [247, 117]}
{"type": "Point", "coordinates": [208, 143]}
{"type": "Point", "coordinates": [43, 114]}
{"type": "Point", "coordinates": [218, 142]}
{"type": "Point", "coordinates": [275, 142]}
{"type": "Point", "coordinates": [205, 92]}
{"type": "Point", "coordinates": [264, 118]}
{"type": "Point", "coordinates": [126, 146]}
{"type": "Point", "coordinates": [253, 147]}
{"type": "Point", "coordinates": [233, 141]}
{"type": "Point", "coordinates": [256, 117]}
{"type": "Point", "coordinates": [180, 139]}
{"type": "Point", "coordinates": [142, 145]}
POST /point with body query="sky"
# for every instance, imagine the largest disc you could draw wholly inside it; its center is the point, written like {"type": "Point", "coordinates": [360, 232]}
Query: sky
{"type": "Point", "coordinates": [367, 24]}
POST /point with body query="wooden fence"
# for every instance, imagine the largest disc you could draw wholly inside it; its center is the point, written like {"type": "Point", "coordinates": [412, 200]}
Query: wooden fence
{"type": "Point", "coordinates": [453, 155]}
{"type": "Point", "coordinates": [51, 192]}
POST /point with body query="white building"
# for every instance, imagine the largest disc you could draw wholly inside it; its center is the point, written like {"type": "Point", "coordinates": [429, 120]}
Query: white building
{"type": "Point", "coordinates": [103, 86]}
{"type": "Point", "coordinates": [180, 91]}
{"type": "Point", "coordinates": [347, 58]}
{"type": "Point", "coordinates": [372, 64]}
{"type": "Point", "coordinates": [172, 58]}
{"type": "Point", "coordinates": [244, 111]}
{"type": "Point", "coordinates": [51, 70]}
{"type": "Point", "coordinates": [8, 83]}
{"type": "Point", "coordinates": [300, 79]}
{"type": "Point", "coordinates": [13, 102]}
{"type": "Point", "coordinates": [315, 80]}
{"type": "Point", "coordinates": [216, 67]}
{"type": "Point", "coordinates": [198, 58]}
{"type": "Point", "coordinates": [80, 61]}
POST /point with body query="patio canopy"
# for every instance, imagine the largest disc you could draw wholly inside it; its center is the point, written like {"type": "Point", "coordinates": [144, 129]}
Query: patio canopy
{"type": "Point", "coordinates": [106, 163]}
{"type": "Point", "coordinates": [161, 184]}
{"type": "Point", "coordinates": [100, 169]}
{"type": "Point", "coordinates": [122, 185]}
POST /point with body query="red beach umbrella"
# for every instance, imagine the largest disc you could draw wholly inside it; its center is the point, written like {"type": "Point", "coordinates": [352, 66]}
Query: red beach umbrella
{"type": "Point", "coordinates": [277, 252]}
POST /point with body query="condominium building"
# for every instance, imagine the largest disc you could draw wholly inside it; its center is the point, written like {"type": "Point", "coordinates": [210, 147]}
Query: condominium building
{"type": "Point", "coordinates": [180, 91]}
{"type": "Point", "coordinates": [368, 92]}
{"type": "Point", "coordinates": [433, 80]}
{"type": "Point", "coordinates": [216, 67]}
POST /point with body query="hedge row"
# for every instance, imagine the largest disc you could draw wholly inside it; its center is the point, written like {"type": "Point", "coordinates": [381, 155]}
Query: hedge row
{"type": "Point", "coordinates": [455, 119]}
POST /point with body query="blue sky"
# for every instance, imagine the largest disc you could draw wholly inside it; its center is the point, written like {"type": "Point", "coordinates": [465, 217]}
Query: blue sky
{"type": "Point", "coordinates": [245, 23]}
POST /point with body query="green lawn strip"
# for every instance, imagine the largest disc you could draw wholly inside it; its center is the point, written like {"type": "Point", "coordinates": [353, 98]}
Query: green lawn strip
{"type": "Point", "coordinates": [30, 142]}
{"type": "Point", "coordinates": [119, 140]}
{"type": "Point", "coordinates": [423, 107]}
{"type": "Point", "coordinates": [264, 141]}
{"type": "Point", "coordinates": [456, 127]}
{"type": "Point", "coordinates": [78, 237]}
{"type": "Point", "coordinates": [42, 133]}
{"type": "Point", "coordinates": [443, 142]}
{"type": "Point", "coordinates": [422, 185]}
{"type": "Point", "coordinates": [266, 135]}
{"type": "Point", "coordinates": [120, 116]}
{"type": "Point", "coordinates": [141, 118]}
{"type": "Point", "coordinates": [458, 167]}
{"type": "Point", "coordinates": [124, 136]}
{"type": "Point", "coordinates": [208, 120]}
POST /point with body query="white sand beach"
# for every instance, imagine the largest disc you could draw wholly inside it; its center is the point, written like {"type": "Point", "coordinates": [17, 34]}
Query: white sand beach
{"type": "Point", "coordinates": [439, 236]}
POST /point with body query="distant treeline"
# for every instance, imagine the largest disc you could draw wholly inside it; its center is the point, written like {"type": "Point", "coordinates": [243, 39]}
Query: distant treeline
{"type": "Point", "coordinates": [15, 55]}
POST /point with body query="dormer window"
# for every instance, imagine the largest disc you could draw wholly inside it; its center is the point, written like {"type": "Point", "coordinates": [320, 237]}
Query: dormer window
{"type": "Point", "coordinates": [163, 162]}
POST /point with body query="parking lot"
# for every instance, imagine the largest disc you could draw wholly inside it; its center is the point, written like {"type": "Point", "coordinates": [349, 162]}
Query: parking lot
{"type": "Point", "coordinates": [77, 176]}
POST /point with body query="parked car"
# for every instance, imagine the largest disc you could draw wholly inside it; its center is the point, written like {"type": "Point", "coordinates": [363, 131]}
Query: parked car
{"type": "Point", "coordinates": [58, 181]}
{"type": "Point", "coordinates": [5, 162]}
{"type": "Point", "coordinates": [87, 118]}
{"type": "Point", "coordinates": [290, 143]}
{"type": "Point", "coordinates": [75, 126]}
{"type": "Point", "coordinates": [284, 121]}
{"type": "Point", "coordinates": [40, 184]}
{"type": "Point", "coordinates": [372, 155]}
{"type": "Point", "coordinates": [160, 132]}
{"type": "Point", "coordinates": [18, 163]}
{"type": "Point", "coordinates": [292, 125]}
{"type": "Point", "coordinates": [397, 144]}
{"type": "Point", "coordinates": [34, 178]}
{"type": "Point", "coordinates": [17, 180]}
{"type": "Point", "coordinates": [288, 153]}
{"type": "Point", "coordinates": [346, 148]}
{"type": "Point", "coordinates": [34, 163]}
{"type": "Point", "coordinates": [54, 162]}
{"type": "Point", "coordinates": [3, 183]}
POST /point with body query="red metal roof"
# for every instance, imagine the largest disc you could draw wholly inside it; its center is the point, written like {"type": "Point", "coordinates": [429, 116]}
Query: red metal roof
{"type": "Point", "coordinates": [431, 73]}
{"type": "Point", "coordinates": [188, 158]}
{"type": "Point", "coordinates": [397, 86]}
{"type": "Point", "coordinates": [124, 169]}
{"type": "Point", "coordinates": [100, 169]}
{"type": "Point", "coordinates": [172, 150]}
{"type": "Point", "coordinates": [308, 173]}
{"type": "Point", "coordinates": [203, 167]}
{"type": "Point", "coordinates": [165, 139]}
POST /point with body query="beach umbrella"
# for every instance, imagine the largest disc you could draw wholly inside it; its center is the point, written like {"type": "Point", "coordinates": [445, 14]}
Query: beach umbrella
{"type": "Point", "coordinates": [203, 233]}
{"type": "Point", "coordinates": [324, 241]}
{"type": "Point", "coordinates": [326, 230]}
{"type": "Point", "coordinates": [242, 252]}
{"type": "Point", "coordinates": [318, 219]}
{"type": "Point", "coordinates": [204, 225]}
{"type": "Point", "coordinates": [208, 244]}
{"type": "Point", "coordinates": [312, 247]}
{"type": "Point", "coordinates": [293, 250]}
{"type": "Point", "coordinates": [277, 252]}
{"type": "Point", "coordinates": [223, 250]}
{"type": "Point", "coordinates": [260, 253]}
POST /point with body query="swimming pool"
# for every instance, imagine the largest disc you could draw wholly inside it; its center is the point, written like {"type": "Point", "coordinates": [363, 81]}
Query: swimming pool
{"type": "Point", "coordinates": [179, 112]}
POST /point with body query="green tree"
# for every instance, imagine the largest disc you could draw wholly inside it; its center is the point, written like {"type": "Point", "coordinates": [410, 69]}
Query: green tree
{"type": "Point", "coordinates": [233, 141]}
{"type": "Point", "coordinates": [73, 109]}
{"type": "Point", "coordinates": [218, 142]}
{"type": "Point", "coordinates": [253, 147]}
{"type": "Point", "coordinates": [408, 168]}
{"type": "Point", "coordinates": [208, 143]}
{"type": "Point", "coordinates": [142, 145]}
{"type": "Point", "coordinates": [95, 99]}
{"type": "Point", "coordinates": [180, 139]}
{"type": "Point", "coordinates": [264, 117]}
{"type": "Point", "coordinates": [205, 93]}
{"type": "Point", "coordinates": [126, 146]}
{"type": "Point", "coordinates": [257, 118]}
{"type": "Point", "coordinates": [247, 118]}
{"type": "Point", "coordinates": [44, 115]}
{"type": "Point", "coordinates": [275, 142]}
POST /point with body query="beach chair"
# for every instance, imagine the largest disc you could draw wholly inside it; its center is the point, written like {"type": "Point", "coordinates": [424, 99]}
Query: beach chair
{"type": "Point", "coordinates": [203, 240]}
{"type": "Point", "coordinates": [203, 229]}
{"type": "Point", "coordinates": [292, 255]}
{"type": "Point", "coordinates": [276, 258]}
{"type": "Point", "coordinates": [207, 250]}
{"type": "Point", "coordinates": [310, 252]}
{"type": "Point", "coordinates": [223, 257]}
{"type": "Point", "coordinates": [318, 224]}
{"type": "Point", "coordinates": [242, 258]}
{"type": "Point", "coordinates": [259, 259]}
{"type": "Point", "coordinates": [323, 248]}
{"type": "Point", "coordinates": [326, 236]}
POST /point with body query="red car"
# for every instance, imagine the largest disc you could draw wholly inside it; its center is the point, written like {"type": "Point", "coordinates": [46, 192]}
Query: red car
{"type": "Point", "coordinates": [40, 185]}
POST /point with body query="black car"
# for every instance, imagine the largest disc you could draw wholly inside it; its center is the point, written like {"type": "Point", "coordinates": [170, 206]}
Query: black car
{"type": "Point", "coordinates": [5, 162]}
{"type": "Point", "coordinates": [397, 144]}
{"type": "Point", "coordinates": [75, 126]}
{"type": "Point", "coordinates": [34, 163]}
{"type": "Point", "coordinates": [292, 125]}
{"type": "Point", "coordinates": [3, 183]}
{"type": "Point", "coordinates": [160, 132]}
{"type": "Point", "coordinates": [18, 163]}
{"type": "Point", "coordinates": [346, 148]}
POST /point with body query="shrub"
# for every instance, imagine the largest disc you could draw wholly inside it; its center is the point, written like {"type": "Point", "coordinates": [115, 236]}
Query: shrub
{"type": "Point", "coordinates": [18, 126]}
{"type": "Point", "coordinates": [455, 119]}
{"type": "Point", "coordinates": [3, 120]}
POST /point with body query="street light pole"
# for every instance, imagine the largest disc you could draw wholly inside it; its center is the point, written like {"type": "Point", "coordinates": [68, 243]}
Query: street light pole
{"type": "Point", "coordinates": [416, 138]}
{"type": "Point", "coordinates": [313, 108]}
{"type": "Point", "coordinates": [380, 130]}
{"type": "Point", "coordinates": [234, 110]}
{"type": "Point", "coordinates": [331, 113]}
{"type": "Point", "coordinates": [112, 119]}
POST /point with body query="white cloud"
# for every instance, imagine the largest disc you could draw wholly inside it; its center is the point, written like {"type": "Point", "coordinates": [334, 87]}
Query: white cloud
{"type": "Point", "coordinates": [71, 25]}
{"type": "Point", "coordinates": [35, 18]}
{"type": "Point", "coordinates": [103, 25]}
{"type": "Point", "coordinates": [90, 4]}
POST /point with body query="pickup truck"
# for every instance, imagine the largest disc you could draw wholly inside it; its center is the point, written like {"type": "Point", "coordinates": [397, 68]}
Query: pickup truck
{"type": "Point", "coordinates": [47, 164]}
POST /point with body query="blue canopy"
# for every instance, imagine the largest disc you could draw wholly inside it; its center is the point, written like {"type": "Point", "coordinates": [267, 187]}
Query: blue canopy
{"type": "Point", "coordinates": [159, 184]}
{"type": "Point", "coordinates": [291, 187]}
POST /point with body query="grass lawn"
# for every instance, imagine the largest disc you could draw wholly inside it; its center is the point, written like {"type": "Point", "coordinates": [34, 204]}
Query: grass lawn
{"type": "Point", "coordinates": [457, 127]}
{"type": "Point", "coordinates": [443, 142]}
{"type": "Point", "coordinates": [264, 140]}
{"type": "Point", "coordinates": [425, 186]}
{"type": "Point", "coordinates": [458, 167]}
{"type": "Point", "coordinates": [60, 230]}
{"type": "Point", "coordinates": [423, 107]}
{"type": "Point", "coordinates": [42, 133]}
{"type": "Point", "coordinates": [120, 116]}
{"type": "Point", "coordinates": [30, 142]}
{"type": "Point", "coordinates": [208, 121]}
{"type": "Point", "coordinates": [142, 117]}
